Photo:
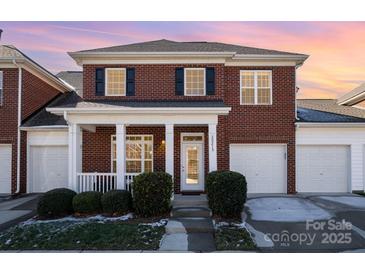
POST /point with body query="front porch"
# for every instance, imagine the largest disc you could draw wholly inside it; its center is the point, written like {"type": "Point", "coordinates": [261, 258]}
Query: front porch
{"type": "Point", "coordinates": [105, 157]}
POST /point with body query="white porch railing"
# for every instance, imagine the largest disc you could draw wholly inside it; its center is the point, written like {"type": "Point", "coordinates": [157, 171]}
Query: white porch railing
{"type": "Point", "coordinates": [102, 182]}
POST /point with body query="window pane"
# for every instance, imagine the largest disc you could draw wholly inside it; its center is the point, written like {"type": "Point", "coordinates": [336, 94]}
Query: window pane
{"type": "Point", "coordinates": [133, 166]}
{"type": "Point", "coordinates": [134, 151]}
{"type": "Point", "coordinates": [148, 166]}
{"type": "Point", "coordinates": [248, 96]}
{"type": "Point", "coordinates": [148, 151]}
{"type": "Point", "coordinates": [114, 166]}
{"type": "Point", "coordinates": [1, 79]}
{"type": "Point", "coordinates": [192, 138]}
{"type": "Point", "coordinates": [247, 79]}
{"type": "Point", "coordinates": [115, 82]}
{"type": "Point", "coordinates": [194, 81]}
{"type": "Point", "coordinates": [263, 79]}
{"type": "Point", "coordinates": [263, 96]}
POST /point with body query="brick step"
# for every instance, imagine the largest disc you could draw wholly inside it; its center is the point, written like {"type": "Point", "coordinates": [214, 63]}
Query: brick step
{"type": "Point", "coordinates": [189, 225]}
{"type": "Point", "coordinates": [190, 212]}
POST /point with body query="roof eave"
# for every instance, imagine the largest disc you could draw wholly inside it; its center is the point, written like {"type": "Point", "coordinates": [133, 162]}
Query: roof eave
{"type": "Point", "coordinates": [131, 110]}
{"type": "Point", "coordinates": [330, 125]}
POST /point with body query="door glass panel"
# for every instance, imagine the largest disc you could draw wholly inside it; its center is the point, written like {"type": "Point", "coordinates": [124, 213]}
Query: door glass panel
{"type": "Point", "coordinates": [192, 172]}
{"type": "Point", "coordinates": [192, 138]}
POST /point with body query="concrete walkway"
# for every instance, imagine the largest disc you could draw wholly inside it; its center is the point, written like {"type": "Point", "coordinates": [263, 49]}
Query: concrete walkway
{"type": "Point", "coordinates": [17, 210]}
{"type": "Point", "coordinates": [190, 227]}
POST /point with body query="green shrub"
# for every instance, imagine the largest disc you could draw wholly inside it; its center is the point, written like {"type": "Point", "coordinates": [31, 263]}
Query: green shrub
{"type": "Point", "coordinates": [87, 202]}
{"type": "Point", "coordinates": [226, 191]}
{"type": "Point", "coordinates": [56, 203]}
{"type": "Point", "coordinates": [152, 193]}
{"type": "Point", "coordinates": [116, 202]}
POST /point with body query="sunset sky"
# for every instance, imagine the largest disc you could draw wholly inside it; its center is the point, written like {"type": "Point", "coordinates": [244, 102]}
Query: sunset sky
{"type": "Point", "coordinates": [337, 49]}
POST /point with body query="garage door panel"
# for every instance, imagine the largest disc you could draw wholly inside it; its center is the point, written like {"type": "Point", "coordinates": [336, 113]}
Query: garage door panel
{"type": "Point", "coordinates": [264, 166]}
{"type": "Point", "coordinates": [5, 168]}
{"type": "Point", "coordinates": [323, 168]}
{"type": "Point", "coordinates": [49, 168]}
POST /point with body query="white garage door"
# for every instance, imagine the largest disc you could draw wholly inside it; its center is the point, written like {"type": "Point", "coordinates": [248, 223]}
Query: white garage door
{"type": "Point", "coordinates": [5, 168]}
{"type": "Point", "coordinates": [49, 167]}
{"type": "Point", "coordinates": [323, 168]}
{"type": "Point", "coordinates": [263, 165]}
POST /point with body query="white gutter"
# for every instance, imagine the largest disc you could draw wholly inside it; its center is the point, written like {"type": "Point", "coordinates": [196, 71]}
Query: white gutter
{"type": "Point", "coordinates": [129, 110]}
{"type": "Point", "coordinates": [18, 127]}
{"type": "Point", "coordinates": [37, 128]}
{"type": "Point", "coordinates": [357, 98]}
{"type": "Point", "coordinates": [329, 125]}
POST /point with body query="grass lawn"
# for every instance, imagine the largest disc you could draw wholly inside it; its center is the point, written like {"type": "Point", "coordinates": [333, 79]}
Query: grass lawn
{"type": "Point", "coordinates": [88, 235]}
{"type": "Point", "coordinates": [233, 236]}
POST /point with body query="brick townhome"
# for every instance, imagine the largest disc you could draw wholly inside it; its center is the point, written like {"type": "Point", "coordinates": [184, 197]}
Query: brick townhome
{"type": "Point", "coordinates": [188, 108]}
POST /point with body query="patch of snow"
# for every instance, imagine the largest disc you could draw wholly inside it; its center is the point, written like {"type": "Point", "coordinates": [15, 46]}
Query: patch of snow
{"type": "Point", "coordinates": [8, 242]}
{"type": "Point", "coordinates": [98, 218]}
{"type": "Point", "coordinates": [279, 209]}
{"type": "Point", "coordinates": [258, 237]}
{"type": "Point", "coordinates": [353, 201]}
{"type": "Point", "coordinates": [161, 222]}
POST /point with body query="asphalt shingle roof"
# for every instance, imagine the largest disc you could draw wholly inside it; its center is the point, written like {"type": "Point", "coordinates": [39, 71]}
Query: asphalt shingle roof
{"type": "Point", "coordinates": [173, 46]}
{"type": "Point", "coordinates": [316, 116]}
{"type": "Point", "coordinates": [74, 78]}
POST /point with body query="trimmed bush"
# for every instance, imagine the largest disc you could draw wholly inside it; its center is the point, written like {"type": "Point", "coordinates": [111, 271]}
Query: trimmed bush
{"type": "Point", "coordinates": [87, 202]}
{"type": "Point", "coordinates": [116, 202]}
{"type": "Point", "coordinates": [56, 203]}
{"type": "Point", "coordinates": [226, 191]}
{"type": "Point", "coordinates": [152, 193]}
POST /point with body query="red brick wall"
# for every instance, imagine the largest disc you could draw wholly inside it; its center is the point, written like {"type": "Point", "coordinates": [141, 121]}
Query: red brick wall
{"type": "Point", "coordinates": [244, 124]}
{"type": "Point", "coordinates": [97, 148]}
{"type": "Point", "coordinates": [8, 116]}
{"type": "Point", "coordinates": [35, 94]}
{"type": "Point", "coordinates": [153, 82]}
{"type": "Point", "coordinates": [262, 124]}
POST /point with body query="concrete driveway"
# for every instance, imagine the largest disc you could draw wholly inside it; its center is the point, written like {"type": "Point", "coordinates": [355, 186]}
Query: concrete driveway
{"type": "Point", "coordinates": [307, 223]}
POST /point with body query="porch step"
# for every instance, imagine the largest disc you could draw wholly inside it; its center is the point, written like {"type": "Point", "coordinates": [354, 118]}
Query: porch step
{"type": "Point", "coordinates": [189, 225]}
{"type": "Point", "coordinates": [190, 212]}
{"type": "Point", "coordinates": [190, 201]}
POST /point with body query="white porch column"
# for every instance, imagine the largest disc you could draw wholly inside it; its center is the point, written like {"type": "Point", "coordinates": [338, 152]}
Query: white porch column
{"type": "Point", "coordinates": [74, 154]}
{"type": "Point", "coordinates": [212, 135]}
{"type": "Point", "coordinates": [169, 149]}
{"type": "Point", "coordinates": [120, 149]}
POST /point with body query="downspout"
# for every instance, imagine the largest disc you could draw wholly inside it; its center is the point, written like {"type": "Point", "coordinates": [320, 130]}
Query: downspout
{"type": "Point", "coordinates": [296, 92]}
{"type": "Point", "coordinates": [17, 190]}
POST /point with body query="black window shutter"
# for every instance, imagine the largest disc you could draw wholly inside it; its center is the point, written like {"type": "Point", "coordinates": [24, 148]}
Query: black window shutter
{"type": "Point", "coordinates": [179, 81]}
{"type": "Point", "coordinates": [210, 81]}
{"type": "Point", "coordinates": [100, 82]}
{"type": "Point", "coordinates": [131, 82]}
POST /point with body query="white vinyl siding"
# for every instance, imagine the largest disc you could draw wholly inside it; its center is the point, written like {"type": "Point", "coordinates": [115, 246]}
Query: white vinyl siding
{"type": "Point", "coordinates": [115, 81]}
{"type": "Point", "coordinates": [194, 81]}
{"type": "Point", "coordinates": [353, 137]}
{"type": "Point", "coordinates": [256, 87]}
{"type": "Point", "coordinates": [139, 153]}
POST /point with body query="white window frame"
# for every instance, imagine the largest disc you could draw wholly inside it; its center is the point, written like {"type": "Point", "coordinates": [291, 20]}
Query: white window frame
{"type": "Point", "coordinates": [255, 88]}
{"type": "Point", "coordinates": [113, 142]}
{"type": "Point", "coordinates": [204, 77]}
{"type": "Point", "coordinates": [106, 81]}
{"type": "Point", "coordinates": [1, 87]}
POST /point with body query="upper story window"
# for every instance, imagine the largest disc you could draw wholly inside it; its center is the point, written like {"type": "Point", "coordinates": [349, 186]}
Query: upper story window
{"type": "Point", "coordinates": [194, 81]}
{"type": "Point", "coordinates": [115, 82]}
{"type": "Point", "coordinates": [256, 87]}
{"type": "Point", "coordinates": [1, 87]}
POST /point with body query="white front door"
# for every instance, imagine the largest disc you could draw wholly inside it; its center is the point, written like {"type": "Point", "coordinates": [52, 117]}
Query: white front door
{"type": "Point", "coordinates": [192, 163]}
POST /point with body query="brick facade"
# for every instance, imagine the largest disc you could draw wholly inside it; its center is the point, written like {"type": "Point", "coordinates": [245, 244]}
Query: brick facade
{"type": "Point", "coordinates": [244, 124]}
{"type": "Point", "coordinates": [35, 94]}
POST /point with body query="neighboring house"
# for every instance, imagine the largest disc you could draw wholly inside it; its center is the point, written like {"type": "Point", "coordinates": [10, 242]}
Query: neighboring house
{"type": "Point", "coordinates": [25, 87]}
{"type": "Point", "coordinates": [188, 108]}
